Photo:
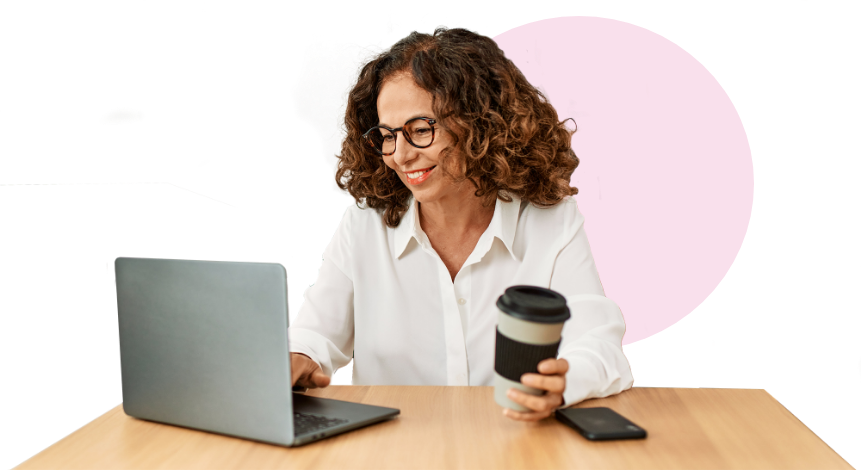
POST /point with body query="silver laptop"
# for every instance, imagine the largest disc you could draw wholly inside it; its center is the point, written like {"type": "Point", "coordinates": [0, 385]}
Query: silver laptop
{"type": "Point", "coordinates": [203, 345]}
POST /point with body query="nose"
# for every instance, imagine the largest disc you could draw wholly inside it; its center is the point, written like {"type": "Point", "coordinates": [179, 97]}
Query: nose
{"type": "Point", "coordinates": [404, 152]}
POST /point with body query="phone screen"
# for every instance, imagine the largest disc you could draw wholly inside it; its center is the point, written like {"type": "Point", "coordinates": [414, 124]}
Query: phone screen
{"type": "Point", "coordinates": [600, 423]}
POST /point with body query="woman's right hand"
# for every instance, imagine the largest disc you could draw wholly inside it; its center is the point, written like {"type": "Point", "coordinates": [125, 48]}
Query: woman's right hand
{"type": "Point", "coordinates": [306, 372]}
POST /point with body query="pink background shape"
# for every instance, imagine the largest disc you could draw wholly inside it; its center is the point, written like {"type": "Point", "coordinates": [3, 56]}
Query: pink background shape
{"type": "Point", "coordinates": [665, 175]}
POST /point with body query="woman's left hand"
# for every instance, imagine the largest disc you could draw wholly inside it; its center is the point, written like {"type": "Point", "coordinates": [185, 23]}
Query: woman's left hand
{"type": "Point", "coordinates": [551, 379]}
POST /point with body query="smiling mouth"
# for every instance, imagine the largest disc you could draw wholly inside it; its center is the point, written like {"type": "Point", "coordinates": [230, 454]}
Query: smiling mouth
{"type": "Point", "coordinates": [418, 174]}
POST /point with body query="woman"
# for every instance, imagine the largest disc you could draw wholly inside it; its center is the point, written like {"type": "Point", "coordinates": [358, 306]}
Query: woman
{"type": "Point", "coordinates": [460, 170]}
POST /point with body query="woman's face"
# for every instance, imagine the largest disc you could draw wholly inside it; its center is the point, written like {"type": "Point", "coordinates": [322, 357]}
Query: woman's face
{"type": "Point", "coordinates": [399, 101]}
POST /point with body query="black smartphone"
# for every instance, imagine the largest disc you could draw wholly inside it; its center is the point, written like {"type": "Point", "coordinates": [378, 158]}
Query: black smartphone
{"type": "Point", "coordinates": [600, 424]}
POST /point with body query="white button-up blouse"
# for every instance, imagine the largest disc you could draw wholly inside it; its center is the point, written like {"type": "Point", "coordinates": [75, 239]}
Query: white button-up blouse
{"type": "Point", "coordinates": [385, 298]}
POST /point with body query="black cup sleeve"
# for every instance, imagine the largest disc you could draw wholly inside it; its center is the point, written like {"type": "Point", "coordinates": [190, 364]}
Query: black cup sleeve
{"type": "Point", "coordinates": [513, 358]}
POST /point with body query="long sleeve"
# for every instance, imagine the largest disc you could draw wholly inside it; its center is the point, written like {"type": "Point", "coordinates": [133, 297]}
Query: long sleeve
{"type": "Point", "coordinates": [592, 338]}
{"type": "Point", "coordinates": [382, 293]}
{"type": "Point", "coordinates": [324, 327]}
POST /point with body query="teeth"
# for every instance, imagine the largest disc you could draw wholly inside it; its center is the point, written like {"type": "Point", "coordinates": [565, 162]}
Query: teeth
{"type": "Point", "coordinates": [416, 174]}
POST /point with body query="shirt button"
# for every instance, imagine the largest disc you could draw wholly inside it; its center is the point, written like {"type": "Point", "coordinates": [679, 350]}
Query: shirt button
{"type": "Point", "coordinates": [461, 301]}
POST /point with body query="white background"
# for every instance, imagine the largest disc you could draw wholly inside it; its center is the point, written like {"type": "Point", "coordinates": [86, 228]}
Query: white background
{"type": "Point", "coordinates": [678, 7]}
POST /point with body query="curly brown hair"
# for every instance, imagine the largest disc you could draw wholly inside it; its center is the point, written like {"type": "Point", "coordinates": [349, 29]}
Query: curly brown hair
{"type": "Point", "coordinates": [508, 134]}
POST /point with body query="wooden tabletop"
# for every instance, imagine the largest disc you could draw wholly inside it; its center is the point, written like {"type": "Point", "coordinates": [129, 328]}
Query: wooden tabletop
{"type": "Point", "coordinates": [462, 427]}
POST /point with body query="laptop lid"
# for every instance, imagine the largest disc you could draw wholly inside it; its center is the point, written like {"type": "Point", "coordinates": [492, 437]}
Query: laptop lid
{"type": "Point", "coordinates": [203, 344]}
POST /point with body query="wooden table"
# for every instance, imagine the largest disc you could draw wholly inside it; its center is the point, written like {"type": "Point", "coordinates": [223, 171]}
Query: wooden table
{"type": "Point", "coordinates": [462, 427]}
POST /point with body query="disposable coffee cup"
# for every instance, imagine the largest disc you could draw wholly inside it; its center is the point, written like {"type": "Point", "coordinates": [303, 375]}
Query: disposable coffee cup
{"type": "Point", "coordinates": [529, 330]}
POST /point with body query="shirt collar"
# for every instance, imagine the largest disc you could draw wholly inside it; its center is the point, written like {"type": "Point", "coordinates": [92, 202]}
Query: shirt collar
{"type": "Point", "coordinates": [503, 225]}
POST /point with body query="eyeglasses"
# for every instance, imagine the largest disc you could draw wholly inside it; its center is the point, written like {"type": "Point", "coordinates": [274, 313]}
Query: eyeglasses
{"type": "Point", "coordinates": [419, 132]}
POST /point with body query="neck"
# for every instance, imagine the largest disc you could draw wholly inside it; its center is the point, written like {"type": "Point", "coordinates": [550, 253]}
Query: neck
{"type": "Point", "coordinates": [455, 221]}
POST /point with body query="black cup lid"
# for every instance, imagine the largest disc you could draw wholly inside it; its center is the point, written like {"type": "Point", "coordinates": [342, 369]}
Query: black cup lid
{"type": "Point", "coordinates": [535, 304]}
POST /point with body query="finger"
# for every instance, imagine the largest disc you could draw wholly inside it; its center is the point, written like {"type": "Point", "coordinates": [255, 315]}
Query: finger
{"type": "Point", "coordinates": [306, 381]}
{"type": "Point", "coordinates": [553, 366]}
{"type": "Point", "coordinates": [303, 381]}
{"type": "Point", "coordinates": [322, 380]}
{"type": "Point", "coordinates": [543, 403]}
{"type": "Point", "coordinates": [551, 383]}
{"type": "Point", "coordinates": [526, 416]}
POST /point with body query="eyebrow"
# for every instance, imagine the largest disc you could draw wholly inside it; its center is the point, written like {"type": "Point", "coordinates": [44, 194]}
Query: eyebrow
{"type": "Point", "coordinates": [413, 117]}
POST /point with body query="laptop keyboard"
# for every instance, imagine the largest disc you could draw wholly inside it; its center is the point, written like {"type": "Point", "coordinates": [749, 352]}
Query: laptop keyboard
{"type": "Point", "coordinates": [305, 423]}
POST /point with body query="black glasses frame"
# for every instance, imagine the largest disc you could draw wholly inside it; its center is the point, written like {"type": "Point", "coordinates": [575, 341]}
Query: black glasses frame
{"type": "Point", "coordinates": [431, 122]}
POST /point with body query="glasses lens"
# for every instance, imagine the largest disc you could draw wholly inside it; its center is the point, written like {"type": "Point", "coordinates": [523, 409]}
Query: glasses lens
{"type": "Point", "coordinates": [419, 131]}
